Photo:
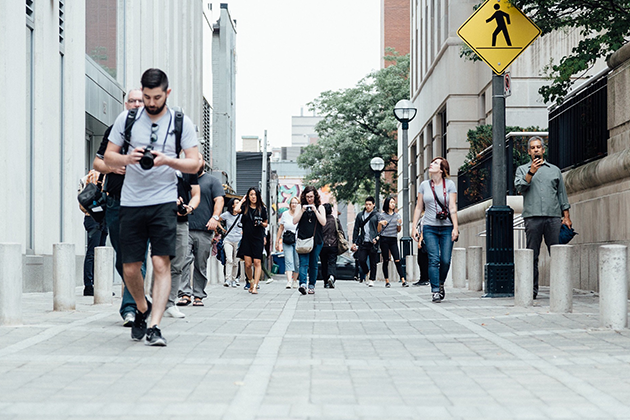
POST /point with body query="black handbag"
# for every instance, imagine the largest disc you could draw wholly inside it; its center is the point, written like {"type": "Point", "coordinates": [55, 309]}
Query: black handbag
{"type": "Point", "coordinates": [93, 199]}
{"type": "Point", "coordinates": [288, 237]}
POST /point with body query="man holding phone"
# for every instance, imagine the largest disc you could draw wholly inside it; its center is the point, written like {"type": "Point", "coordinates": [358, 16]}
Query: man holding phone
{"type": "Point", "coordinates": [545, 202]}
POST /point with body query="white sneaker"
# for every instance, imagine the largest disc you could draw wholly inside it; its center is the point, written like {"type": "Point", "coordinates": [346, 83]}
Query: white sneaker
{"type": "Point", "coordinates": [174, 312]}
{"type": "Point", "coordinates": [370, 283]}
{"type": "Point", "coordinates": [237, 283]}
{"type": "Point", "coordinates": [289, 283]}
{"type": "Point", "coordinates": [233, 283]}
{"type": "Point", "coordinates": [295, 284]}
{"type": "Point", "coordinates": [226, 283]}
{"type": "Point", "coordinates": [269, 281]}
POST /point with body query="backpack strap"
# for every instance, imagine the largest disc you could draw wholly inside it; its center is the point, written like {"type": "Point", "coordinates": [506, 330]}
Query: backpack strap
{"type": "Point", "coordinates": [131, 119]}
{"type": "Point", "coordinates": [178, 129]}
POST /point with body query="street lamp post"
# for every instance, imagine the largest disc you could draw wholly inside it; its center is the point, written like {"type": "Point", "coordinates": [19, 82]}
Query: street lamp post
{"type": "Point", "coordinates": [377, 164]}
{"type": "Point", "coordinates": [404, 111]}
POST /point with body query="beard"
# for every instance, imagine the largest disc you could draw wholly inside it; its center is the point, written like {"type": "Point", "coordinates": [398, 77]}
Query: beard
{"type": "Point", "coordinates": [155, 110]}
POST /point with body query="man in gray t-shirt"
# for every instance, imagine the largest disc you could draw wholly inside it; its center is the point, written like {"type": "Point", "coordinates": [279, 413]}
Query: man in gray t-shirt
{"type": "Point", "coordinates": [148, 200]}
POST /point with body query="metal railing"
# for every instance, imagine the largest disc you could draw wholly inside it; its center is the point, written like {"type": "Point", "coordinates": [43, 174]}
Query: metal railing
{"type": "Point", "coordinates": [578, 131]}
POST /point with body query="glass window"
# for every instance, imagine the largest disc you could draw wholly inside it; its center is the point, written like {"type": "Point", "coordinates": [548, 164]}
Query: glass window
{"type": "Point", "coordinates": [101, 33]}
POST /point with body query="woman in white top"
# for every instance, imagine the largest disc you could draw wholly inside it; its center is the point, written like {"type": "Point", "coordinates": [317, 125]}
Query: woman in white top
{"type": "Point", "coordinates": [234, 230]}
{"type": "Point", "coordinates": [286, 242]}
{"type": "Point", "coordinates": [437, 197]}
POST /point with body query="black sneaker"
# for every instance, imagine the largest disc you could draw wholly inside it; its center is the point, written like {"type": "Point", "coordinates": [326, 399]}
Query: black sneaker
{"type": "Point", "coordinates": [442, 292]}
{"type": "Point", "coordinates": [388, 285]}
{"type": "Point", "coordinates": [302, 289]}
{"type": "Point", "coordinates": [154, 337]}
{"type": "Point", "coordinates": [405, 284]}
{"type": "Point", "coordinates": [436, 298]}
{"type": "Point", "coordinates": [139, 327]}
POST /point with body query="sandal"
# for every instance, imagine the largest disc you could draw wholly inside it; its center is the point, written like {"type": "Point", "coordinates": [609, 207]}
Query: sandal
{"type": "Point", "coordinates": [198, 302]}
{"type": "Point", "coordinates": [184, 301]}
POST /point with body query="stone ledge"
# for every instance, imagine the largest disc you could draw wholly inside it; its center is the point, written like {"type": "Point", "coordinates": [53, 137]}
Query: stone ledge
{"type": "Point", "coordinates": [478, 211]}
{"type": "Point", "coordinates": [609, 169]}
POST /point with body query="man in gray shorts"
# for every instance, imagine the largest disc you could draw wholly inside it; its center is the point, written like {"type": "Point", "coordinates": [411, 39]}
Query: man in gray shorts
{"type": "Point", "coordinates": [149, 195]}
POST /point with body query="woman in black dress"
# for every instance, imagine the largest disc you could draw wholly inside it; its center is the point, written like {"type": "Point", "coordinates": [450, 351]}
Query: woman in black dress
{"type": "Point", "coordinates": [254, 222]}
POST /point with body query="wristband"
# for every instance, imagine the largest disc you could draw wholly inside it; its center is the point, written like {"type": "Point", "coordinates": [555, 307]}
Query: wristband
{"type": "Point", "coordinates": [530, 173]}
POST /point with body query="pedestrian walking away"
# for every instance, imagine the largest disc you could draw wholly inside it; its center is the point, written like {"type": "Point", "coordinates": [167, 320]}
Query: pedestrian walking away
{"type": "Point", "coordinates": [233, 235]}
{"type": "Point", "coordinates": [364, 239]}
{"type": "Point", "coordinates": [437, 197]}
{"type": "Point", "coordinates": [113, 187]}
{"type": "Point", "coordinates": [389, 224]}
{"type": "Point", "coordinates": [286, 243]}
{"type": "Point", "coordinates": [328, 255]}
{"type": "Point", "coordinates": [310, 217]}
{"type": "Point", "coordinates": [254, 218]}
{"type": "Point", "coordinates": [545, 202]}
{"type": "Point", "coordinates": [188, 200]}
{"type": "Point", "coordinates": [202, 225]}
{"type": "Point", "coordinates": [149, 196]}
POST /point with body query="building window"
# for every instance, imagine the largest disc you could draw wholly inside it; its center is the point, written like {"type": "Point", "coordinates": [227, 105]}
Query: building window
{"type": "Point", "coordinates": [30, 12]}
{"type": "Point", "coordinates": [101, 33]}
{"type": "Point", "coordinates": [30, 239]}
{"type": "Point", "coordinates": [443, 126]}
{"type": "Point", "coordinates": [62, 22]}
{"type": "Point", "coordinates": [207, 130]}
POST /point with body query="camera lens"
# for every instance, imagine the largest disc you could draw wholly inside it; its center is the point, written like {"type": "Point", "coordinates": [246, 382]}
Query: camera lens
{"type": "Point", "coordinates": [181, 209]}
{"type": "Point", "coordinates": [146, 161]}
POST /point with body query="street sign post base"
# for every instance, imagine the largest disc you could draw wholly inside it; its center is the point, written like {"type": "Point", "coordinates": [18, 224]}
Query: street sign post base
{"type": "Point", "coordinates": [499, 269]}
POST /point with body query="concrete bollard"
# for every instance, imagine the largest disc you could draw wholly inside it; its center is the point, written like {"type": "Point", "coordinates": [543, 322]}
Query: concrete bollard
{"type": "Point", "coordinates": [64, 281]}
{"type": "Point", "coordinates": [379, 272]}
{"type": "Point", "coordinates": [459, 267]}
{"type": "Point", "coordinates": [523, 277]}
{"type": "Point", "coordinates": [10, 284]}
{"type": "Point", "coordinates": [103, 275]}
{"type": "Point", "coordinates": [613, 287]}
{"type": "Point", "coordinates": [411, 270]}
{"type": "Point", "coordinates": [561, 283]}
{"type": "Point", "coordinates": [474, 265]}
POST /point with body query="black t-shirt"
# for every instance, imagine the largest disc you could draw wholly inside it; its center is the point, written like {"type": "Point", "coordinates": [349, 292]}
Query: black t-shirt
{"type": "Point", "coordinates": [309, 226]}
{"type": "Point", "coordinates": [113, 182]}
{"type": "Point", "coordinates": [251, 231]}
{"type": "Point", "coordinates": [184, 188]}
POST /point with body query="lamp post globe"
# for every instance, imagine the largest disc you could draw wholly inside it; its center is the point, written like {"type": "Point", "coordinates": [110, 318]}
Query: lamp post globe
{"type": "Point", "coordinates": [377, 164]}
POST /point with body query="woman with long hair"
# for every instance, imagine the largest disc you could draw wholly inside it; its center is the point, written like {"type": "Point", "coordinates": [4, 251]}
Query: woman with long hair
{"type": "Point", "coordinates": [286, 243]}
{"type": "Point", "coordinates": [389, 224]}
{"type": "Point", "coordinates": [254, 221]}
{"type": "Point", "coordinates": [234, 232]}
{"type": "Point", "coordinates": [329, 251]}
{"type": "Point", "coordinates": [437, 197]}
{"type": "Point", "coordinates": [310, 216]}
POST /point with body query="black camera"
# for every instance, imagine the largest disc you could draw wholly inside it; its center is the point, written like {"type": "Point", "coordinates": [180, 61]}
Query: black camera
{"type": "Point", "coordinates": [181, 209]}
{"type": "Point", "coordinates": [258, 221]}
{"type": "Point", "coordinates": [441, 215]}
{"type": "Point", "coordinates": [146, 161]}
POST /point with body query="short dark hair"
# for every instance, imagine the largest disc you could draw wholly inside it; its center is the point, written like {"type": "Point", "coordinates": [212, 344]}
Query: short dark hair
{"type": "Point", "coordinates": [386, 204]}
{"type": "Point", "coordinates": [328, 208]}
{"type": "Point", "coordinates": [370, 198]}
{"type": "Point", "coordinates": [153, 78]}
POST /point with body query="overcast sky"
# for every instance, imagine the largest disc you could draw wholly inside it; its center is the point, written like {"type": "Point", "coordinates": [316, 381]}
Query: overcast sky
{"type": "Point", "coordinates": [288, 51]}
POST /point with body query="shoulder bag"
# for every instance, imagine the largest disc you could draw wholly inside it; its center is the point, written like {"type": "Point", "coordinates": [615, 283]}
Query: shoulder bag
{"type": "Point", "coordinates": [305, 246]}
{"type": "Point", "coordinates": [342, 243]}
{"type": "Point", "coordinates": [93, 200]}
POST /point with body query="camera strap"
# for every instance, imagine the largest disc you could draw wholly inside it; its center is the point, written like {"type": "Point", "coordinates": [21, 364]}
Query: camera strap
{"type": "Point", "coordinates": [437, 201]}
{"type": "Point", "coordinates": [133, 115]}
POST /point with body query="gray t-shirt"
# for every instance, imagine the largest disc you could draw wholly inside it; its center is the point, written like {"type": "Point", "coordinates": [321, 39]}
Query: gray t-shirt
{"type": "Point", "coordinates": [430, 206]}
{"type": "Point", "coordinates": [237, 231]}
{"type": "Point", "coordinates": [391, 230]}
{"type": "Point", "coordinates": [210, 188]}
{"type": "Point", "coordinates": [157, 185]}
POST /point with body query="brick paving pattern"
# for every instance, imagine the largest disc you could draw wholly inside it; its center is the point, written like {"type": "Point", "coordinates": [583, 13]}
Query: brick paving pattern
{"type": "Point", "coordinates": [349, 353]}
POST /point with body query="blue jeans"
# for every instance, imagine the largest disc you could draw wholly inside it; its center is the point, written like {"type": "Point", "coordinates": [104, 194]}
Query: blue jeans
{"type": "Point", "coordinates": [439, 245]}
{"type": "Point", "coordinates": [308, 264]}
{"type": "Point", "coordinates": [111, 216]}
{"type": "Point", "coordinates": [97, 236]}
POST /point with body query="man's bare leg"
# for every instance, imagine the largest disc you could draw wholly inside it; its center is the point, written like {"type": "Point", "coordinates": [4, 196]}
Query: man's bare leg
{"type": "Point", "coordinates": [161, 287]}
{"type": "Point", "coordinates": [135, 283]}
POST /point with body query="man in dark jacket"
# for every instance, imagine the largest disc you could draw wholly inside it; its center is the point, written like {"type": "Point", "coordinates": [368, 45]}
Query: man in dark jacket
{"type": "Point", "coordinates": [363, 238]}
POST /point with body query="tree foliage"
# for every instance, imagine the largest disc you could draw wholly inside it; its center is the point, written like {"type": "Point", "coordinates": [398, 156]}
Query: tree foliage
{"type": "Point", "coordinates": [603, 24]}
{"type": "Point", "coordinates": [358, 124]}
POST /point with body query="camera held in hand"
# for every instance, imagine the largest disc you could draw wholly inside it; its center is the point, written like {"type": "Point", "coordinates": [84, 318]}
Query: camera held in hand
{"type": "Point", "coordinates": [146, 161]}
{"type": "Point", "coordinates": [258, 221]}
{"type": "Point", "coordinates": [441, 215]}
{"type": "Point", "coordinates": [181, 208]}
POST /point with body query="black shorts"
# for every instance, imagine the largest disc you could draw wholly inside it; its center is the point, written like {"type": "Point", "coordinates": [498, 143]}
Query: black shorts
{"type": "Point", "coordinates": [157, 224]}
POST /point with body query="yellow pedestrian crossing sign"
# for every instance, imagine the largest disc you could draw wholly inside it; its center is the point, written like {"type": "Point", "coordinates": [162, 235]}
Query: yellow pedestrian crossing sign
{"type": "Point", "coordinates": [498, 32]}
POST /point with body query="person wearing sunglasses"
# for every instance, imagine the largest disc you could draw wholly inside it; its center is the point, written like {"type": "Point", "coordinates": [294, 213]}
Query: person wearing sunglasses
{"type": "Point", "coordinates": [148, 202]}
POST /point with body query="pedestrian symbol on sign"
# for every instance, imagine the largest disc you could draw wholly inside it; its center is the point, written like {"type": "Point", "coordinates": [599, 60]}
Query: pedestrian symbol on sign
{"type": "Point", "coordinates": [501, 18]}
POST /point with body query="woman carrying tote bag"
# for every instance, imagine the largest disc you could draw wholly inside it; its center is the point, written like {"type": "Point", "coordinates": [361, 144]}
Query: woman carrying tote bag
{"type": "Point", "coordinates": [309, 217]}
{"type": "Point", "coordinates": [286, 243]}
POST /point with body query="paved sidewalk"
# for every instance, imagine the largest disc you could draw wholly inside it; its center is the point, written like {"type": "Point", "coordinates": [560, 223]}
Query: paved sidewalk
{"type": "Point", "coordinates": [352, 352]}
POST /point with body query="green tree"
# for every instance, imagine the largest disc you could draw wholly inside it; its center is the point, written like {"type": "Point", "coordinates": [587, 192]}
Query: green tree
{"type": "Point", "coordinates": [358, 124]}
{"type": "Point", "coordinates": [603, 24]}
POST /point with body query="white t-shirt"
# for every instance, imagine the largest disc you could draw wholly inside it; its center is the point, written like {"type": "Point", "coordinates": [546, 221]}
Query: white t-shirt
{"type": "Point", "coordinates": [287, 221]}
{"type": "Point", "coordinates": [237, 231]}
{"type": "Point", "coordinates": [157, 185]}
{"type": "Point", "coordinates": [430, 206]}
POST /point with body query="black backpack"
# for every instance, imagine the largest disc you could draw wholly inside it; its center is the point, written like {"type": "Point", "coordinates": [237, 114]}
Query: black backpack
{"type": "Point", "coordinates": [178, 128]}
